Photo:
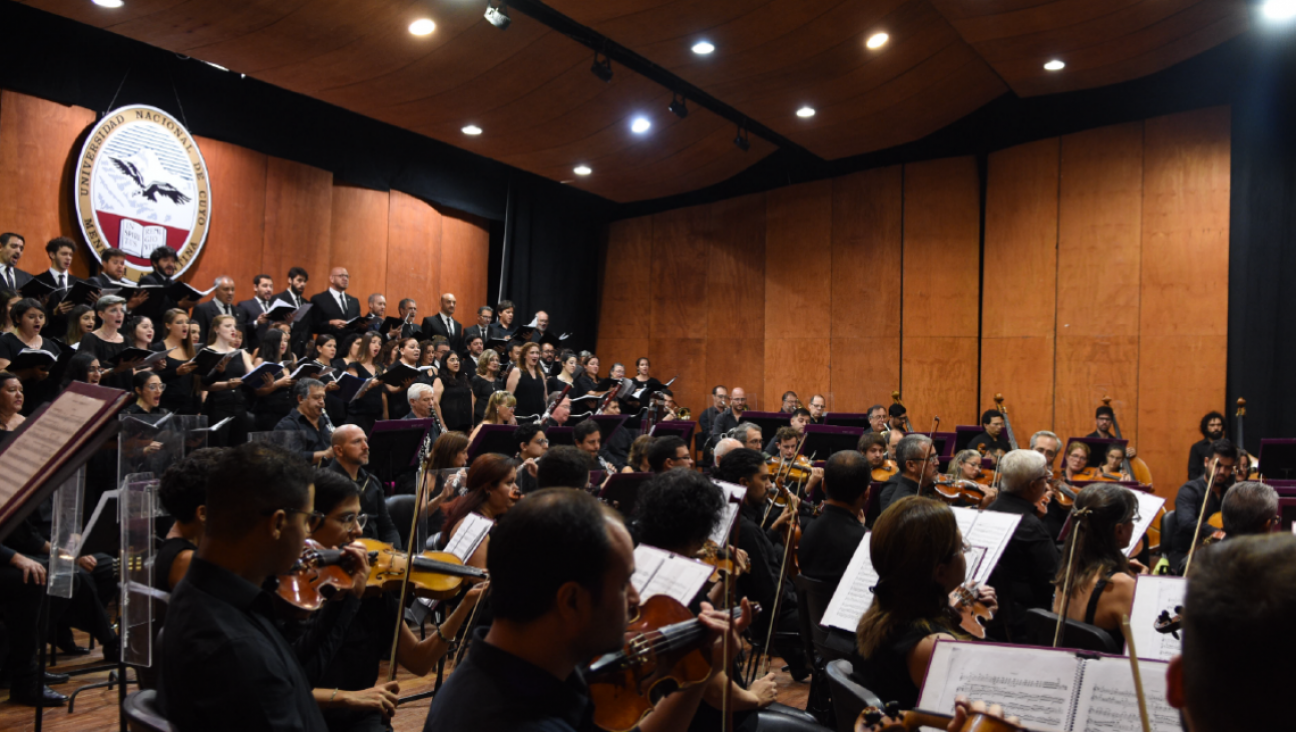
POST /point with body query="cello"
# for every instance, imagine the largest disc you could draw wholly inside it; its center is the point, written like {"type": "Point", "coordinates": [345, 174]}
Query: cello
{"type": "Point", "coordinates": [1250, 466]}
{"type": "Point", "coordinates": [895, 397]}
{"type": "Point", "coordinates": [1131, 466]}
{"type": "Point", "coordinates": [1012, 440]}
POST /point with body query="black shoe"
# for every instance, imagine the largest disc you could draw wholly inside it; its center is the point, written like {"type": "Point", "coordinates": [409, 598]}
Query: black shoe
{"type": "Point", "coordinates": [72, 649]}
{"type": "Point", "coordinates": [54, 679]}
{"type": "Point", "coordinates": [36, 696]}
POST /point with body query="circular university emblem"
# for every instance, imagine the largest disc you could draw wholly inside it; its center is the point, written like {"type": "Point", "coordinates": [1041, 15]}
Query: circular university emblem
{"type": "Point", "coordinates": [141, 183]}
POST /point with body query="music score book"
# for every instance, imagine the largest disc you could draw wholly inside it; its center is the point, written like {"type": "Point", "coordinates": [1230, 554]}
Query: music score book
{"type": "Point", "coordinates": [1152, 594]}
{"type": "Point", "coordinates": [1149, 504]}
{"type": "Point", "coordinates": [987, 531]}
{"type": "Point", "coordinates": [734, 496]}
{"type": "Point", "coordinates": [1049, 688]}
{"type": "Point", "coordinates": [659, 572]}
{"type": "Point", "coordinates": [472, 531]}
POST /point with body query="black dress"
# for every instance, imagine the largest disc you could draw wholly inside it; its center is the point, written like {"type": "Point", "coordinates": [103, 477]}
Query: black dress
{"type": "Point", "coordinates": [228, 403]}
{"type": "Point", "coordinates": [456, 405]}
{"type": "Point", "coordinates": [530, 395]}
{"type": "Point", "coordinates": [482, 388]}
{"type": "Point", "coordinates": [886, 672]}
{"type": "Point", "coordinates": [105, 352]}
{"type": "Point", "coordinates": [366, 410]}
{"type": "Point", "coordinates": [333, 404]}
{"type": "Point", "coordinates": [267, 410]}
{"type": "Point", "coordinates": [35, 391]}
{"type": "Point", "coordinates": [578, 390]}
{"type": "Point", "coordinates": [180, 396]}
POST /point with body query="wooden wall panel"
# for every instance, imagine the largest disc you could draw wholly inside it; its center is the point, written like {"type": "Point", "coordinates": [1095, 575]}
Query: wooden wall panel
{"type": "Point", "coordinates": [864, 372]}
{"type": "Point", "coordinates": [359, 241]}
{"type": "Point", "coordinates": [679, 260]}
{"type": "Point", "coordinates": [626, 292]}
{"type": "Point", "coordinates": [465, 248]}
{"type": "Point", "coordinates": [1086, 370]}
{"type": "Point", "coordinates": [867, 211]}
{"type": "Point", "coordinates": [1099, 215]}
{"type": "Point", "coordinates": [414, 258]}
{"type": "Point", "coordinates": [1020, 368]}
{"type": "Point", "coordinates": [735, 271]}
{"type": "Point", "coordinates": [298, 222]}
{"type": "Point", "coordinates": [234, 243]}
{"type": "Point", "coordinates": [942, 232]}
{"type": "Point", "coordinates": [622, 350]}
{"type": "Point", "coordinates": [39, 142]}
{"type": "Point", "coordinates": [683, 359]}
{"type": "Point", "coordinates": [798, 258]}
{"type": "Point", "coordinates": [734, 362]}
{"type": "Point", "coordinates": [1180, 379]}
{"type": "Point", "coordinates": [940, 379]}
{"type": "Point", "coordinates": [794, 364]}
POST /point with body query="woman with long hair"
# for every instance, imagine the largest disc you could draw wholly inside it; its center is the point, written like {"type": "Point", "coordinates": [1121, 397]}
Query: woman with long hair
{"type": "Point", "coordinates": [325, 348]}
{"type": "Point", "coordinates": [637, 462]}
{"type": "Point", "coordinates": [139, 332]}
{"type": "Point", "coordinates": [367, 408]}
{"type": "Point", "coordinates": [643, 374]}
{"type": "Point", "coordinates": [492, 491]}
{"type": "Point", "coordinates": [527, 383]}
{"type": "Point", "coordinates": [180, 395]}
{"type": "Point", "coordinates": [500, 408]}
{"type": "Point", "coordinates": [11, 403]}
{"type": "Point", "coordinates": [590, 367]}
{"type": "Point", "coordinates": [107, 341]}
{"type": "Point", "coordinates": [1076, 465]}
{"type": "Point", "coordinates": [918, 554]}
{"type": "Point", "coordinates": [274, 397]}
{"type": "Point", "coordinates": [569, 374]}
{"type": "Point", "coordinates": [452, 396]}
{"type": "Point", "coordinates": [8, 298]}
{"type": "Point", "coordinates": [1113, 467]}
{"type": "Point", "coordinates": [1100, 583]}
{"type": "Point", "coordinates": [40, 384]}
{"type": "Point", "coordinates": [79, 322]}
{"type": "Point", "coordinates": [224, 385]}
{"type": "Point", "coordinates": [408, 353]}
{"type": "Point", "coordinates": [485, 382]}
{"type": "Point", "coordinates": [83, 367]}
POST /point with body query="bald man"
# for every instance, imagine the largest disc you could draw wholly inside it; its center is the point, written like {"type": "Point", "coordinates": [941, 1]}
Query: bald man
{"type": "Point", "coordinates": [222, 303]}
{"type": "Point", "coordinates": [333, 307]}
{"type": "Point", "coordinates": [351, 454]}
{"type": "Point", "coordinates": [730, 418]}
{"type": "Point", "coordinates": [442, 323]}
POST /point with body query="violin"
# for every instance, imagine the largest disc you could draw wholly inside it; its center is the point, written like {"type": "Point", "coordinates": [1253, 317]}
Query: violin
{"type": "Point", "coordinates": [438, 575]}
{"type": "Point", "coordinates": [891, 719]}
{"type": "Point", "coordinates": [973, 614]}
{"type": "Point", "coordinates": [316, 577]}
{"type": "Point", "coordinates": [793, 471]}
{"type": "Point", "coordinates": [884, 473]}
{"type": "Point", "coordinates": [723, 562]}
{"type": "Point", "coordinates": [952, 490]}
{"type": "Point", "coordinates": [1167, 623]}
{"type": "Point", "coordinates": [1061, 492]}
{"type": "Point", "coordinates": [662, 653]}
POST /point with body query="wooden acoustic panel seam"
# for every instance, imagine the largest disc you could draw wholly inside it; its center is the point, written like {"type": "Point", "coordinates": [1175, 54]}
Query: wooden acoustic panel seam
{"type": "Point", "coordinates": [1021, 369]}
{"type": "Point", "coordinates": [235, 241]}
{"type": "Point", "coordinates": [866, 249]}
{"type": "Point", "coordinates": [942, 248]}
{"type": "Point", "coordinates": [298, 221]}
{"type": "Point", "coordinates": [627, 282]}
{"type": "Point", "coordinates": [940, 380]}
{"type": "Point", "coordinates": [1088, 368]}
{"type": "Point", "coordinates": [1019, 296]}
{"type": "Point", "coordinates": [358, 242]}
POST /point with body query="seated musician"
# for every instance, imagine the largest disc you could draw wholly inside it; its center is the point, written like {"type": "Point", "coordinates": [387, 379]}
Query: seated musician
{"type": "Point", "coordinates": [918, 553]}
{"type": "Point", "coordinates": [800, 418]}
{"type": "Point", "coordinates": [563, 466]}
{"type": "Point", "coordinates": [637, 462]}
{"type": "Point", "coordinates": [1212, 429]}
{"type": "Point", "coordinates": [1237, 663]}
{"type": "Point", "coordinates": [667, 453]}
{"type": "Point", "coordinates": [616, 448]}
{"type": "Point", "coordinates": [786, 441]}
{"type": "Point", "coordinates": [1047, 444]}
{"type": "Point", "coordinates": [492, 491]}
{"type": "Point", "coordinates": [918, 462]}
{"type": "Point", "coordinates": [877, 418]}
{"type": "Point", "coordinates": [532, 445]}
{"type": "Point", "coordinates": [1191, 496]}
{"type": "Point", "coordinates": [873, 445]}
{"type": "Point", "coordinates": [224, 664]}
{"type": "Point", "coordinates": [1250, 508]}
{"type": "Point", "coordinates": [894, 435]}
{"type": "Point", "coordinates": [1104, 427]}
{"type": "Point", "coordinates": [966, 466]}
{"type": "Point", "coordinates": [309, 420]}
{"type": "Point", "coordinates": [724, 446]}
{"type": "Point", "coordinates": [183, 493]}
{"type": "Point", "coordinates": [561, 593]}
{"type": "Point", "coordinates": [747, 467]}
{"type": "Point", "coordinates": [350, 456]}
{"type": "Point", "coordinates": [1112, 467]}
{"type": "Point", "coordinates": [727, 420]}
{"type": "Point", "coordinates": [993, 437]}
{"type": "Point", "coordinates": [346, 684]}
{"type": "Point", "coordinates": [1076, 466]}
{"type": "Point", "coordinates": [749, 434]}
{"type": "Point", "coordinates": [829, 542]}
{"type": "Point", "coordinates": [818, 408]}
{"type": "Point", "coordinates": [896, 416]}
{"type": "Point", "coordinates": [588, 438]}
{"type": "Point", "coordinates": [1101, 579]}
{"type": "Point", "coordinates": [1024, 575]}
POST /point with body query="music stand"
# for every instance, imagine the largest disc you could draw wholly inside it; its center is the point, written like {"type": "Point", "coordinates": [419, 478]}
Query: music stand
{"type": "Point", "coordinates": [608, 425]}
{"type": "Point", "coordinates": [622, 491]}
{"type": "Point", "coordinates": [769, 422]}
{"type": "Point", "coordinates": [846, 419]}
{"type": "Point", "coordinates": [1098, 447]}
{"type": "Point", "coordinates": [394, 445]}
{"type": "Point", "coordinates": [682, 429]}
{"type": "Point", "coordinates": [1277, 458]}
{"type": "Point", "coordinates": [964, 434]}
{"type": "Point", "coordinates": [496, 438]}
{"type": "Point", "coordinates": [944, 443]}
{"type": "Point", "coordinates": [822, 440]}
{"type": "Point", "coordinates": [559, 436]}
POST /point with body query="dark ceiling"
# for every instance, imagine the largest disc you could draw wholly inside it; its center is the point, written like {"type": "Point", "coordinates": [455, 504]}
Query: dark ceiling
{"type": "Point", "coordinates": [530, 88]}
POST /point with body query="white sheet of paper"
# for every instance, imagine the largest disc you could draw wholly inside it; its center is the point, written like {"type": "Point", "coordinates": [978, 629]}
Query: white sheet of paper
{"type": "Point", "coordinates": [734, 496]}
{"type": "Point", "coordinates": [853, 595]}
{"type": "Point", "coordinates": [1152, 594]}
{"type": "Point", "coordinates": [1149, 504]}
{"type": "Point", "coordinates": [988, 531]}
{"type": "Point", "coordinates": [658, 572]}
{"type": "Point", "coordinates": [1032, 683]}
{"type": "Point", "coordinates": [472, 531]}
{"type": "Point", "coordinates": [1107, 700]}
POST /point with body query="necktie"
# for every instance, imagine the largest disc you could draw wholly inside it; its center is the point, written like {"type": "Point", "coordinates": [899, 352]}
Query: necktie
{"type": "Point", "coordinates": [265, 306]}
{"type": "Point", "coordinates": [9, 278]}
{"type": "Point", "coordinates": [342, 303]}
{"type": "Point", "coordinates": [449, 328]}
{"type": "Point", "coordinates": [62, 283]}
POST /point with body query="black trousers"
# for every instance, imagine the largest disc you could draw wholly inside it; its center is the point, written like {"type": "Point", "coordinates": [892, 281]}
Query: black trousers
{"type": "Point", "coordinates": [20, 604]}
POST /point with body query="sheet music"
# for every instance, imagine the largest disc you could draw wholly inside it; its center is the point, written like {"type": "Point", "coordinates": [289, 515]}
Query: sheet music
{"type": "Point", "coordinates": [853, 596]}
{"type": "Point", "coordinates": [1107, 701]}
{"type": "Point", "coordinates": [1149, 504]}
{"type": "Point", "coordinates": [1152, 594]}
{"type": "Point", "coordinates": [47, 436]}
{"type": "Point", "coordinates": [1035, 684]}
{"type": "Point", "coordinates": [988, 532]}
{"type": "Point", "coordinates": [658, 572]}
{"type": "Point", "coordinates": [472, 530]}
{"type": "Point", "coordinates": [734, 496]}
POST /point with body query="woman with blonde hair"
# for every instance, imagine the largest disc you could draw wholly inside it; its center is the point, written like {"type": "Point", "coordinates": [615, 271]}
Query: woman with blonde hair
{"type": "Point", "coordinates": [499, 410]}
{"type": "Point", "coordinates": [224, 385]}
{"type": "Point", "coordinates": [485, 382]}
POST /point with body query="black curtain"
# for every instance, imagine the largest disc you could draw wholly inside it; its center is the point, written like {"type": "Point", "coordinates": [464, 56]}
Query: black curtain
{"type": "Point", "coordinates": [1262, 245]}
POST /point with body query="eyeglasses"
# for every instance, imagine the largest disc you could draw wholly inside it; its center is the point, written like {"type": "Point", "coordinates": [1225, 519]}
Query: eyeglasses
{"type": "Point", "coordinates": [353, 520]}
{"type": "Point", "coordinates": [155, 387]}
{"type": "Point", "coordinates": [313, 518]}
{"type": "Point", "coordinates": [543, 443]}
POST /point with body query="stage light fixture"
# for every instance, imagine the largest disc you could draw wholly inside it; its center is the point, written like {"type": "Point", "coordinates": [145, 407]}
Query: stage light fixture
{"type": "Point", "coordinates": [422, 27]}
{"type": "Point", "coordinates": [877, 40]}
{"type": "Point", "coordinates": [582, 170]}
{"type": "Point", "coordinates": [805, 112]}
{"type": "Point", "coordinates": [1055, 65]}
{"type": "Point", "coordinates": [108, 3]}
{"type": "Point", "coordinates": [741, 140]}
{"type": "Point", "coordinates": [640, 125]}
{"type": "Point", "coordinates": [1279, 9]}
{"type": "Point", "coordinates": [498, 17]}
{"type": "Point", "coordinates": [471, 130]}
{"type": "Point", "coordinates": [678, 106]}
{"type": "Point", "coordinates": [702, 48]}
{"type": "Point", "coordinates": [602, 69]}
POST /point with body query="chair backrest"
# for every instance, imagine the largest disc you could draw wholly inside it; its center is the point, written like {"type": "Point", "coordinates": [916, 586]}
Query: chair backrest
{"type": "Point", "coordinates": [401, 510]}
{"type": "Point", "coordinates": [813, 596]}
{"type": "Point", "coordinates": [142, 715]}
{"type": "Point", "coordinates": [1041, 625]}
{"type": "Point", "coordinates": [848, 697]}
{"type": "Point", "coordinates": [1168, 526]}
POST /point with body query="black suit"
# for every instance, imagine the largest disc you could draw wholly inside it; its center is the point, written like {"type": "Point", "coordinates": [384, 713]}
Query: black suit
{"type": "Point", "coordinates": [205, 313]}
{"type": "Point", "coordinates": [301, 329]}
{"type": "Point", "coordinates": [20, 278]}
{"type": "Point", "coordinates": [55, 324]}
{"type": "Point", "coordinates": [435, 325]}
{"type": "Point", "coordinates": [475, 331]}
{"type": "Point", "coordinates": [252, 332]}
{"type": "Point", "coordinates": [326, 308]}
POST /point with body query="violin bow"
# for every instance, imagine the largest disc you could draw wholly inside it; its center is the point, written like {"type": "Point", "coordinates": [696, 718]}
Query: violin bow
{"type": "Point", "coordinates": [1079, 516]}
{"type": "Point", "coordinates": [1210, 483]}
{"type": "Point", "coordinates": [726, 700]}
{"type": "Point", "coordinates": [778, 594]}
{"type": "Point", "coordinates": [1138, 677]}
{"type": "Point", "coordinates": [420, 495]}
{"type": "Point", "coordinates": [923, 475]}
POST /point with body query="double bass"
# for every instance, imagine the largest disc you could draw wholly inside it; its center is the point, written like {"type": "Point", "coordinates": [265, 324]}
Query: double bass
{"type": "Point", "coordinates": [1250, 466]}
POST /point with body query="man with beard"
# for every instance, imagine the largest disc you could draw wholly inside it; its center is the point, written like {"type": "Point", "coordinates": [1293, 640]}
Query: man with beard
{"type": "Point", "coordinates": [1188, 504]}
{"type": "Point", "coordinates": [1104, 422]}
{"type": "Point", "coordinates": [295, 296]}
{"type": "Point", "coordinates": [1212, 429]}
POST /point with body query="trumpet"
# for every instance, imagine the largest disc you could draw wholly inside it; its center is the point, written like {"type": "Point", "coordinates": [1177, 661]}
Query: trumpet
{"type": "Point", "coordinates": [684, 414]}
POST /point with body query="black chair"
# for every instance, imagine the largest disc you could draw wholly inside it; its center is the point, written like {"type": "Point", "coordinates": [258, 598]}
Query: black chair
{"type": "Point", "coordinates": [1169, 522]}
{"type": "Point", "coordinates": [849, 698]}
{"type": "Point", "coordinates": [142, 715]}
{"type": "Point", "coordinates": [401, 510]}
{"type": "Point", "coordinates": [1041, 625]}
{"type": "Point", "coordinates": [811, 600]}
{"type": "Point", "coordinates": [814, 596]}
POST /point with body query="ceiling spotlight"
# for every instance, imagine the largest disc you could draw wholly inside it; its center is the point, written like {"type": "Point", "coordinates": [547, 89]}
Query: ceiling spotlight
{"type": "Point", "coordinates": [1279, 9]}
{"type": "Point", "coordinates": [498, 17]}
{"type": "Point", "coordinates": [422, 27]}
{"type": "Point", "coordinates": [109, 3]}
{"type": "Point", "coordinates": [702, 48]}
{"type": "Point", "coordinates": [582, 170]}
{"type": "Point", "coordinates": [640, 125]}
{"type": "Point", "coordinates": [678, 106]}
{"type": "Point", "coordinates": [877, 40]}
{"type": "Point", "coordinates": [471, 130]}
{"type": "Point", "coordinates": [805, 112]}
{"type": "Point", "coordinates": [1054, 65]}
{"type": "Point", "coordinates": [602, 69]}
{"type": "Point", "coordinates": [741, 141]}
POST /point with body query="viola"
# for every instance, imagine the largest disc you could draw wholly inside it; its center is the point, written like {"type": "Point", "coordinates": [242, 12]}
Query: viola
{"type": "Point", "coordinates": [662, 653]}
{"type": "Point", "coordinates": [317, 576]}
{"type": "Point", "coordinates": [952, 490]}
{"type": "Point", "coordinates": [438, 575]}
{"type": "Point", "coordinates": [973, 614]}
{"type": "Point", "coordinates": [891, 719]}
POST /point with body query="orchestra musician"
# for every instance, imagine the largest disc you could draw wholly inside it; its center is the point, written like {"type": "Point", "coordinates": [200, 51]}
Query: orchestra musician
{"type": "Point", "coordinates": [916, 456]}
{"type": "Point", "coordinates": [749, 434]}
{"type": "Point", "coordinates": [532, 445]}
{"type": "Point", "coordinates": [873, 445]}
{"type": "Point", "coordinates": [829, 542]}
{"type": "Point", "coordinates": [587, 438]}
{"type": "Point", "coordinates": [1024, 575]}
{"type": "Point", "coordinates": [1212, 428]}
{"type": "Point", "coordinates": [1100, 577]}
{"type": "Point", "coordinates": [668, 453]}
{"type": "Point", "coordinates": [1076, 466]}
{"type": "Point", "coordinates": [350, 456]}
{"type": "Point", "coordinates": [563, 466]}
{"type": "Point", "coordinates": [1104, 420]}
{"type": "Point", "coordinates": [1188, 502]}
{"type": "Point", "coordinates": [894, 435]}
{"type": "Point", "coordinates": [790, 402]}
{"type": "Point", "coordinates": [818, 408]}
{"type": "Point", "coordinates": [799, 419]}
{"type": "Point", "coordinates": [877, 417]}
{"type": "Point", "coordinates": [785, 442]}
{"type": "Point", "coordinates": [992, 437]}
{"type": "Point", "coordinates": [896, 414]}
{"type": "Point", "coordinates": [1112, 468]}
{"type": "Point", "coordinates": [728, 419]}
{"type": "Point", "coordinates": [1048, 444]}
{"type": "Point", "coordinates": [707, 420]}
{"type": "Point", "coordinates": [1250, 507]}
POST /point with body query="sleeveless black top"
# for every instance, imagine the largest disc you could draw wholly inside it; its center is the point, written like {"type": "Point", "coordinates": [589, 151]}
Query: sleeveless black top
{"type": "Point", "coordinates": [530, 394]}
